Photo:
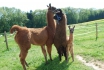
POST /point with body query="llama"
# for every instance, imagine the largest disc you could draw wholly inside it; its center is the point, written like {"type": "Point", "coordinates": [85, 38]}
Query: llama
{"type": "Point", "coordinates": [70, 42]}
{"type": "Point", "coordinates": [60, 34]}
{"type": "Point", "coordinates": [27, 36]}
{"type": "Point", "coordinates": [51, 28]}
{"type": "Point", "coordinates": [36, 36]}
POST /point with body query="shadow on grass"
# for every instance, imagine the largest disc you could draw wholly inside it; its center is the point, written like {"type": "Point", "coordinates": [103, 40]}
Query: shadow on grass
{"type": "Point", "coordinates": [54, 65]}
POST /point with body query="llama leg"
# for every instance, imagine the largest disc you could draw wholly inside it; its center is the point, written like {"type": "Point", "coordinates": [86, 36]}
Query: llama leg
{"type": "Point", "coordinates": [25, 61]}
{"type": "Point", "coordinates": [22, 58]}
{"type": "Point", "coordinates": [26, 64]}
{"type": "Point", "coordinates": [60, 54]}
{"type": "Point", "coordinates": [72, 53]}
{"type": "Point", "coordinates": [44, 53]}
{"type": "Point", "coordinates": [49, 49]}
{"type": "Point", "coordinates": [20, 55]}
{"type": "Point", "coordinates": [67, 53]}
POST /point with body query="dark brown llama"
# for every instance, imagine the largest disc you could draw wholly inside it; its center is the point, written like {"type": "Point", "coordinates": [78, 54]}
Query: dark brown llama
{"type": "Point", "coordinates": [36, 36]}
{"type": "Point", "coordinates": [70, 42]}
{"type": "Point", "coordinates": [60, 34]}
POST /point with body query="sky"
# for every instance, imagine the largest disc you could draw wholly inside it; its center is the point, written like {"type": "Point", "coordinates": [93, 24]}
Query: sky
{"type": "Point", "coordinates": [27, 5]}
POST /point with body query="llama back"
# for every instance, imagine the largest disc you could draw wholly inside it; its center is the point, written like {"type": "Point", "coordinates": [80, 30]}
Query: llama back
{"type": "Point", "coordinates": [14, 28]}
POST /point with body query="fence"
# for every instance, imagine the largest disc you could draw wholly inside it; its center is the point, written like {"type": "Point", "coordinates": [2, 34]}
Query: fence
{"type": "Point", "coordinates": [81, 30]}
{"type": "Point", "coordinates": [93, 29]}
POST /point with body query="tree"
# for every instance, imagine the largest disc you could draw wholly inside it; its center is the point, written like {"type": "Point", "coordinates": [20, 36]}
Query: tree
{"type": "Point", "coordinates": [11, 16]}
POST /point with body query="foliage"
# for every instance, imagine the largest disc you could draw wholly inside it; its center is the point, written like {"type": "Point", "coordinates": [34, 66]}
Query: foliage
{"type": "Point", "coordinates": [37, 18]}
{"type": "Point", "coordinates": [40, 18]}
{"type": "Point", "coordinates": [72, 15]}
{"type": "Point", "coordinates": [9, 17]}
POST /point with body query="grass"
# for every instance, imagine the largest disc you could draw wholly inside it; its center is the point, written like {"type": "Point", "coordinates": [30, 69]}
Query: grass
{"type": "Point", "coordinates": [85, 44]}
{"type": "Point", "coordinates": [10, 60]}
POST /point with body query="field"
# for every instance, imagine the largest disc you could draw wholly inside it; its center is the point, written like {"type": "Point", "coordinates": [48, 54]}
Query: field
{"type": "Point", "coordinates": [85, 45]}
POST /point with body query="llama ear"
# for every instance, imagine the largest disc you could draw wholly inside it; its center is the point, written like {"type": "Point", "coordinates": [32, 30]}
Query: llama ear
{"type": "Point", "coordinates": [69, 27]}
{"type": "Point", "coordinates": [74, 26]}
{"type": "Point", "coordinates": [47, 6]}
{"type": "Point", "coordinates": [50, 5]}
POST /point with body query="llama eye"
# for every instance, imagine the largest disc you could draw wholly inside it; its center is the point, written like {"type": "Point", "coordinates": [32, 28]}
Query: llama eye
{"type": "Point", "coordinates": [59, 18]}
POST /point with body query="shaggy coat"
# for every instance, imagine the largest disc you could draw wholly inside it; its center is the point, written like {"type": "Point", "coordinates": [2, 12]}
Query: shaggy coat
{"type": "Point", "coordinates": [60, 34]}
{"type": "Point", "coordinates": [36, 36]}
{"type": "Point", "coordinates": [27, 36]}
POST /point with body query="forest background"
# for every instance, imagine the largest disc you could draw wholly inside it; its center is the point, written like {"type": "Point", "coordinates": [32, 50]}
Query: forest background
{"type": "Point", "coordinates": [37, 18]}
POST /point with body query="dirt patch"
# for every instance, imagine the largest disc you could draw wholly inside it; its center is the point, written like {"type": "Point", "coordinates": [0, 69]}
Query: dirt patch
{"type": "Point", "coordinates": [97, 65]}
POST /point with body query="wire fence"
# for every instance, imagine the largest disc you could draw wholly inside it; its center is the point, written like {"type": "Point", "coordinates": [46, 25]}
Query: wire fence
{"type": "Point", "coordinates": [89, 29]}
{"type": "Point", "coordinates": [81, 31]}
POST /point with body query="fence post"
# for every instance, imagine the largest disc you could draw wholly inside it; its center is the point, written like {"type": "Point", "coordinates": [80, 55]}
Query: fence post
{"type": "Point", "coordinates": [6, 40]}
{"type": "Point", "coordinates": [96, 31]}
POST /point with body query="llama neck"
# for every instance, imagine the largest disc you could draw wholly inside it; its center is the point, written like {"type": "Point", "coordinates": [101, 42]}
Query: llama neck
{"type": "Point", "coordinates": [71, 38]}
{"type": "Point", "coordinates": [50, 20]}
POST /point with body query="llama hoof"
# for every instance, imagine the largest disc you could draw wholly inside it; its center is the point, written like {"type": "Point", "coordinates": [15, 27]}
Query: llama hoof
{"type": "Point", "coordinates": [67, 60]}
{"type": "Point", "coordinates": [51, 60]}
{"type": "Point", "coordinates": [26, 64]}
{"type": "Point", "coordinates": [62, 54]}
{"type": "Point", "coordinates": [60, 59]}
{"type": "Point", "coordinates": [46, 63]}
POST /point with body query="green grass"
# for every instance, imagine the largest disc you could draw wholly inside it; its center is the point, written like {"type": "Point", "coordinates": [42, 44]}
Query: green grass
{"type": "Point", "coordinates": [85, 44]}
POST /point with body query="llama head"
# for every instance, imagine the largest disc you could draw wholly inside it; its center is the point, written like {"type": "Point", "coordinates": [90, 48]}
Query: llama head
{"type": "Point", "coordinates": [71, 29]}
{"type": "Point", "coordinates": [51, 8]}
{"type": "Point", "coordinates": [58, 15]}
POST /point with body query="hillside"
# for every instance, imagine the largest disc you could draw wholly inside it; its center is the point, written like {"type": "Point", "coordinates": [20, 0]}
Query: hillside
{"type": "Point", "coordinates": [85, 45]}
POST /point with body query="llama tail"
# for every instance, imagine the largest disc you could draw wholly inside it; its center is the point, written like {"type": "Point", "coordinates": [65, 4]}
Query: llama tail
{"type": "Point", "coordinates": [14, 28]}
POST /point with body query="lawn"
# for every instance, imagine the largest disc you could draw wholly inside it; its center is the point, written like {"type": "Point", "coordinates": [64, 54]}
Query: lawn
{"type": "Point", "coordinates": [85, 44]}
{"type": "Point", "coordinates": [85, 40]}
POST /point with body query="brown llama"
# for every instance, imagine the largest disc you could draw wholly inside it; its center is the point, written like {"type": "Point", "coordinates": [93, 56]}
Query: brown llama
{"type": "Point", "coordinates": [36, 36]}
{"type": "Point", "coordinates": [70, 42]}
{"type": "Point", "coordinates": [51, 27]}
{"type": "Point", "coordinates": [60, 34]}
